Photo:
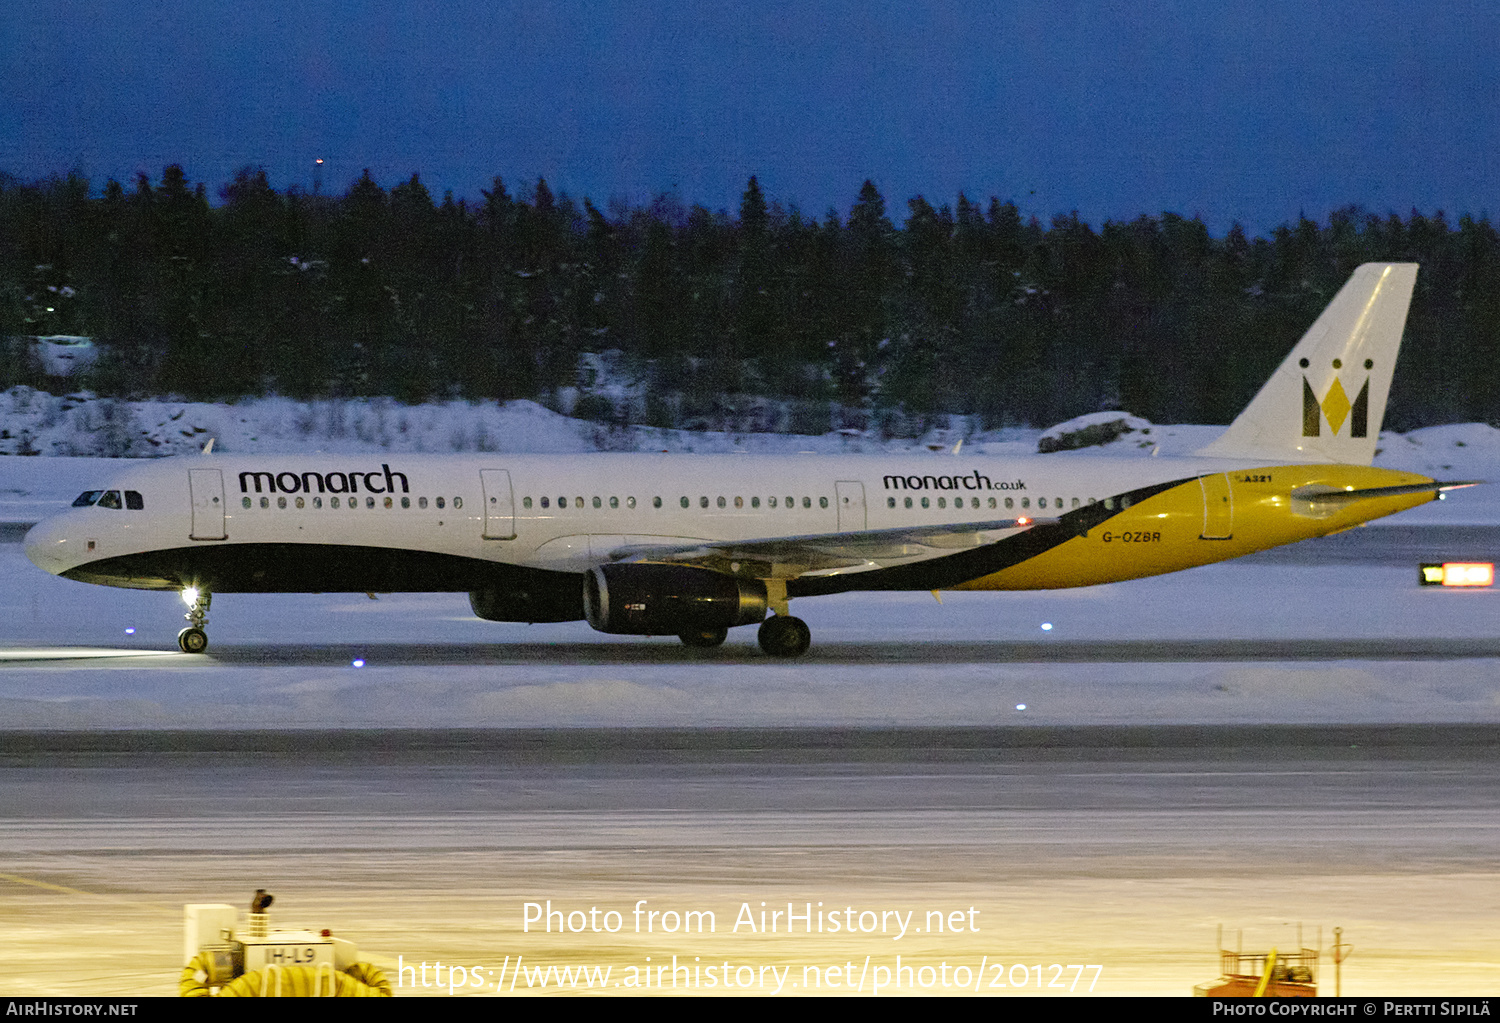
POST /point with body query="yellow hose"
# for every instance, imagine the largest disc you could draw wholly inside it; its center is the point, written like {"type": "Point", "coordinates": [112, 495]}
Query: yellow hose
{"type": "Point", "coordinates": [361, 980]}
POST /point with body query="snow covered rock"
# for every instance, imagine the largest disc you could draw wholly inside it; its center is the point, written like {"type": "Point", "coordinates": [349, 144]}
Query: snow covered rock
{"type": "Point", "coordinates": [1092, 430]}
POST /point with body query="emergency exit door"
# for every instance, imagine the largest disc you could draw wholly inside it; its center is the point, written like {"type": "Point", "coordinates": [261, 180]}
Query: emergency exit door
{"type": "Point", "coordinates": [851, 499]}
{"type": "Point", "coordinates": [499, 505]}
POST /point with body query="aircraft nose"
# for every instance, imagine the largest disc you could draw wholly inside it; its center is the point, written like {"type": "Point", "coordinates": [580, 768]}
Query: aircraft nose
{"type": "Point", "coordinates": [45, 546]}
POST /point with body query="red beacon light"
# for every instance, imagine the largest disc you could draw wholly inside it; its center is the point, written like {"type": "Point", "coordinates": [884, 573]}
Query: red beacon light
{"type": "Point", "coordinates": [1458, 573]}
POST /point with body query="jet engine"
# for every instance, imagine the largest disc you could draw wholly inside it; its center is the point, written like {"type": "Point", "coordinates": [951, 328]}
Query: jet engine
{"type": "Point", "coordinates": [666, 600]}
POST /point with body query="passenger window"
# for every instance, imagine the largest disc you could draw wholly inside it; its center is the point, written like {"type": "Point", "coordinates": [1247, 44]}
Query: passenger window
{"type": "Point", "coordinates": [908, 502]}
{"type": "Point", "coordinates": [369, 502]}
{"type": "Point", "coordinates": [992, 502]}
{"type": "Point", "coordinates": [333, 502]}
{"type": "Point", "coordinates": [1025, 502]}
{"type": "Point", "coordinates": [942, 502]}
{"type": "Point", "coordinates": [281, 502]}
{"type": "Point", "coordinates": [87, 498]}
{"type": "Point", "coordinates": [739, 502]}
{"type": "Point", "coordinates": [703, 502]}
{"type": "Point", "coordinates": [245, 502]}
{"type": "Point", "coordinates": [721, 502]}
{"type": "Point", "coordinates": [807, 502]}
{"type": "Point", "coordinates": [771, 501]}
{"type": "Point", "coordinates": [388, 503]}
{"type": "Point", "coordinates": [458, 502]}
{"type": "Point", "coordinates": [318, 502]}
{"type": "Point", "coordinates": [1075, 502]}
{"type": "Point", "coordinates": [406, 502]}
{"type": "Point", "coordinates": [614, 502]}
{"type": "Point", "coordinates": [598, 503]}
{"type": "Point", "coordinates": [422, 502]}
{"type": "Point", "coordinates": [684, 502]}
{"type": "Point", "coordinates": [925, 503]}
{"type": "Point", "coordinates": [791, 502]}
{"type": "Point", "coordinates": [562, 502]}
{"type": "Point", "coordinates": [822, 502]}
{"type": "Point", "coordinates": [110, 499]}
{"type": "Point", "coordinates": [301, 503]}
{"type": "Point", "coordinates": [1010, 502]}
{"type": "Point", "coordinates": [525, 502]}
{"type": "Point", "coordinates": [134, 501]}
{"type": "Point", "coordinates": [265, 502]}
{"type": "Point", "coordinates": [755, 502]}
{"type": "Point", "coordinates": [439, 502]}
{"type": "Point", "coordinates": [890, 502]}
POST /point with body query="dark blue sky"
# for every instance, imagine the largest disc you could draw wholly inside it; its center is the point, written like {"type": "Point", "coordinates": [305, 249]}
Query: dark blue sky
{"type": "Point", "coordinates": [1250, 111]}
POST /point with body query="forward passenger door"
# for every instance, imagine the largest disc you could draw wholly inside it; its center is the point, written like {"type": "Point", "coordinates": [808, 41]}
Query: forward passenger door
{"type": "Point", "coordinates": [207, 489]}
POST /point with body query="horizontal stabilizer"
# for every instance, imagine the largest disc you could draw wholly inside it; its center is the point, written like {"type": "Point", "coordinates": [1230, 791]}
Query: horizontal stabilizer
{"type": "Point", "coordinates": [1328, 496]}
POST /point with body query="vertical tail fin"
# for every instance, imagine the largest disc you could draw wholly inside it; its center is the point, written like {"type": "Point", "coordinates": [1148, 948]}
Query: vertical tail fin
{"type": "Point", "coordinates": [1326, 401]}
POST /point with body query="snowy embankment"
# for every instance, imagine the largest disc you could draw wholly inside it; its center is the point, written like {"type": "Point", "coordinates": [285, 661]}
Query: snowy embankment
{"type": "Point", "coordinates": [73, 433]}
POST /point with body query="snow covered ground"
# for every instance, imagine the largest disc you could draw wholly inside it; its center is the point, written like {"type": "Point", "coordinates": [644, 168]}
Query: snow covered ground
{"type": "Point", "coordinates": [1230, 643]}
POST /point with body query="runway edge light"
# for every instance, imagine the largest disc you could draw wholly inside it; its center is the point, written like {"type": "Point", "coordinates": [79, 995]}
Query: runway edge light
{"type": "Point", "coordinates": [1457, 573]}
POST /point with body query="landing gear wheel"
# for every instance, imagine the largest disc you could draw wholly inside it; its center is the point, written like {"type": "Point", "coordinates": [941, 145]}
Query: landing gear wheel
{"type": "Point", "coordinates": [192, 641]}
{"type": "Point", "coordinates": [784, 636]}
{"type": "Point", "coordinates": [704, 639]}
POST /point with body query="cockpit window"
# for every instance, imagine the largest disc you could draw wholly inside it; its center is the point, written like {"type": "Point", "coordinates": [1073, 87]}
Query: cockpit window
{"type": "Point", "coordinates": [87, 498]}
{"type": "Point", "coordinates": [110, 499]}
{"type": "Point", "coordinates": [134, 501]}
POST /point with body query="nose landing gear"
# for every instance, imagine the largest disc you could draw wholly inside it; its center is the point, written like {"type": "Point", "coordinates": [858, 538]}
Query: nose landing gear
{"type": "Point", "coordinates": [193, 640]}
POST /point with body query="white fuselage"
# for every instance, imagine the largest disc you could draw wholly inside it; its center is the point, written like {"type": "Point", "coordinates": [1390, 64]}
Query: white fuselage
{"type": "Point", "coordinates": [565, 513]}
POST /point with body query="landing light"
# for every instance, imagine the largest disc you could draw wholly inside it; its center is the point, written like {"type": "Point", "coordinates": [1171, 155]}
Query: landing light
{"type": "Point", "coordinates": [1020, 706]}
{"type": "Point", "coordinates": [358, 662]}
{"type": "Point", "coordinates": [1458, 573]}
{"type": "Point", "coordinates": [1046, 626]}
{"type": "Point", "coordinates": [190, 595]}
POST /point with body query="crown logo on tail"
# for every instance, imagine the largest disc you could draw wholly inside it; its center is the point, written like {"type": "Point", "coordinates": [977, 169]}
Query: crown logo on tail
{"type": "Point", "coordinates": [1337, 408]}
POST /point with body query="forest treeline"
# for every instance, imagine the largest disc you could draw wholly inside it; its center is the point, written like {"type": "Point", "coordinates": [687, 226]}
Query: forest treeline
{"type": "Point", "coordinates": [765, 318]}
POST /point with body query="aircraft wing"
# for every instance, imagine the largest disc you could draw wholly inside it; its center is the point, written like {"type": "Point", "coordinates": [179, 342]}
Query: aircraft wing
{"type": "Point", "coordinates": [830, 553]}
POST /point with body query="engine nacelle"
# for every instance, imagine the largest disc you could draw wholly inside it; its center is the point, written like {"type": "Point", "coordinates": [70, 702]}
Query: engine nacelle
{"type": "Point", "coordinates": [666, 600]}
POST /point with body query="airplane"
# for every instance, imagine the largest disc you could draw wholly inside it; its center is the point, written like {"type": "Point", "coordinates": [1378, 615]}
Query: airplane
{"type": "Point", "coordinates": [692, 546]}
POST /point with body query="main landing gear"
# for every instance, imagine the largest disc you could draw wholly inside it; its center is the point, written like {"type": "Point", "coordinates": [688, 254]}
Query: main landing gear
{"type": "Point", "coordinates": [193, 640]}
{"type": "Point", "coordinates": [784, 636]}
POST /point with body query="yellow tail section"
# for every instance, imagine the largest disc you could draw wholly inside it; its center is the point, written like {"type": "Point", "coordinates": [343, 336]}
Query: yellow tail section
{"type": "Point", "coordinates": [1214, 518]}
